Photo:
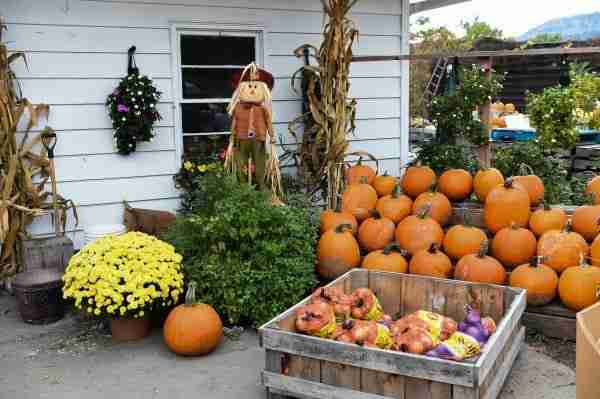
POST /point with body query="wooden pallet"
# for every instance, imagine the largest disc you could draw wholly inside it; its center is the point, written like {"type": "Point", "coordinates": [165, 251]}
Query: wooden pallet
{"type": "Point", "coordinates": [307, 367]}
{"type": "Point", "coordinates": [553, 320]}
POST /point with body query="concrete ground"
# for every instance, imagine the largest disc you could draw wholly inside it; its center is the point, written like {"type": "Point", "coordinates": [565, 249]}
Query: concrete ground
{"type": "Point", "coordinates": [72, 359]}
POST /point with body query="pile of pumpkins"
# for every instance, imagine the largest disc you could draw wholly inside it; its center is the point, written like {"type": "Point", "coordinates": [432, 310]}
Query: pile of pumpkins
{"type": "Point", "coordinates": [401, 225]}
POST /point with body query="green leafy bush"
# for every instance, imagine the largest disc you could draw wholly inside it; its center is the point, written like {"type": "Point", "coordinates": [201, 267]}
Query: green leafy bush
{"type": "Point", "coordinates": [441, 157]}
{"type": "Point", "coordinates": [552, 113]}
{"type": "Point", "coordinates": [251, 260]}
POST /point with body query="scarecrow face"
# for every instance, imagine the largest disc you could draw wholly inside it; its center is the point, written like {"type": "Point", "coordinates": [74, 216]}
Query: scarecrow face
{"type": "Point", "coordinates": [252, 92]}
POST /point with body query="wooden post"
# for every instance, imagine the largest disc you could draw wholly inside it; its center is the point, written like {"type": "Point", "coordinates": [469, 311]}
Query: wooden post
{"type": "Point", "coordinates": [485, 114]}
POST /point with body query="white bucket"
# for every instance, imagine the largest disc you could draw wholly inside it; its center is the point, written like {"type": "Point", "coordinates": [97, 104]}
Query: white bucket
{"type": "Point", "coordinates": [95, 232]}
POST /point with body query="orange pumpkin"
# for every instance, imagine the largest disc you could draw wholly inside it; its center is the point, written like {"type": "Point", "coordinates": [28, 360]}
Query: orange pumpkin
{"type": "Point", "coordinates": [431, 262]}
{"type": "Point", "coordinates": [358, 199]}
{"type": "Point", "coordinates": [417, 180]}
{"type": "Point", "coordinates": [192, 328]}
{"type": "Point", "coordinates": [337, 252]}
{"type": "Point", "coordinates": [461, 240]}
{"type": "Point", "coordinates": [578, 286]}
{"type": "Point", "coordinates": [330, 219]}
{"type": "Point", "coordinates": [532, 184]}
{"type": "Point", "coordinates": [586, 221]}
{"type": "Point", "coordinates": [595, 252]}
{"type": "Point", "coordinates": [485, 180]}
{"type": "Point", "coordinates": [546, 219]}
{"type": "Point", "coordinates": [390, 259]}
{"type": "Point", "coordinates": [384, 184]}
{"type": "Point", "coordinates": [394, 206]}
{"type": "Point", "coordinates": [540, 281]}
{"type": "Point", "coordinates": [513, 246]}
{"type": "Point", "coordinates": [506, 204]}
{"type": "Point", "coordinates": [418, 232]}
{"type": "Point", "coordinates": [593, 190]}
{"type": "Point", "coordinates": [440, 208]}
{"type": "Point", "coordinates": [480, 268]}
{"type": "Point", "coordinates": [456, 184]}
{"type": "Point", "coordinates": [562, 249]}
{"type": "Point", "coordinates": [356, 173]}
{"type": "Point", "coordinates": [376, 232]}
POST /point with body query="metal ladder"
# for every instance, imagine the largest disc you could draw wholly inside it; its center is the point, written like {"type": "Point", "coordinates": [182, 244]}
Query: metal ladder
{"type": "Point", "coordinates": [436, 80]}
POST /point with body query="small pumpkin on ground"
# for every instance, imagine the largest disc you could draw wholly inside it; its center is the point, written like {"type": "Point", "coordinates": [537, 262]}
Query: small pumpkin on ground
{"type": "Point", "coordinates": [395, 206]}
{"type": "Point", "coordinates": [562, 249]}
{"type": "Point", "coordinates": [376, 232]}
{"type": "Point", "coordinates": [358, 199]}
{"type": "Point", "coordinates": [514, 246]}
{"type": "Point", "coordinates": [390, 259]}
{"type": "Point", "coordinates": [532, 184]}
{"type": "Point", "coordinates": [356, 173]}
{"type": "Point", "coordinates": [593, 189]}
{"type": "Point", "coordinates": [456, 184]}
{"type": "Point", "coordinates": [417, 180]}
{"type": "Point", "coordinates": [540, 281]}
{"type": "Point", "coordinates": [431, 262]}
{"type": "Point", "coordinates": [337, 252]}
{"type": "Point", "coordinates": [384, 184]}
{"type": "Point", "coordinates": [546, 219]}
{"type": "Point", "coordinates": [418, 232]}
{"type": "Point", "coordinates": [506, 204]}
{"type": "Point", "coordinates": [485, 180]}
{"type": "Point", "coordinates": [578, 286]}
{"type": "Point", "coordinates": [192, 328]}
{"type": "Point", "coordinates": [330, 219]}
{"type": "Point", "coordinates": [461, 240]}
{"type": "Point", "coordinates": [586, 221]}
{"type": "Point", "coordinates": [480, 268]}
{"type": "Point", "coordinates": [440, 206]}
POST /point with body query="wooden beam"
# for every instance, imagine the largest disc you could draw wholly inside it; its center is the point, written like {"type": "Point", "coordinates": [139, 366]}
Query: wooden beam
{"type": "Point", "coordinates": [432, 5]}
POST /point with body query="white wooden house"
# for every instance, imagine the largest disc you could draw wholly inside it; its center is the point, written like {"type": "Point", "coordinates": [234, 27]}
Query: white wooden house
{"type": "Point", "coordinates": [77, 52]}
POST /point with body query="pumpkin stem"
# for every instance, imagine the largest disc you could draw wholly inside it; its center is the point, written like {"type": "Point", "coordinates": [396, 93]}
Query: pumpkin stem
{"type": "Point", "coordinates": [190, 294]}
{"type": "Point", "coordinates": [509, 183]}
{"type": "Point", "coordinates": [394, 247]}
{"type": "Point", "coordinates": [467, 218]}
{"type": "Point", "coordinates": [359, 161]}
{"type": "Point", "coordinates": [364, 180]}
{"type": "Point", "coordinates": [483, 249]}
{"type": "Point", "coordinates": [568, 227]}
{"type": "Point", "coordinates": [396, 192]}
{"type": "Point", "coordinates": [424, 211]}
{"type": "Point", "coordinates": [536, 260]}
{"type": "Point", "coordinates": [374, 213]}
{"type": "Point", "coordinates": [386, 174]}
{"type": "Point", "coordinates": [342, 228]}
{"type": "Point", "coordinates": [514, 226]}
{"type": "Point", "coordinates": [433, 248]}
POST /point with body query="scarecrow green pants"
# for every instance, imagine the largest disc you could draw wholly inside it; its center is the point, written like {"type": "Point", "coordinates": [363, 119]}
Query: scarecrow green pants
{"type": "Point", "coordinates": [256, 150]}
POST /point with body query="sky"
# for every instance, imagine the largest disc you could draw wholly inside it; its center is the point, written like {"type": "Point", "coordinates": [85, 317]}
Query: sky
{"type": "Point", "coordinates": [514, 17]}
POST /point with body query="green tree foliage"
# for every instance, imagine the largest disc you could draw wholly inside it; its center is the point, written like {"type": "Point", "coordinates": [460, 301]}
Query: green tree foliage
{"type": "Point", "coordinates": [476, 29]}
{"type": "Point", "coordinates": [546, 38]}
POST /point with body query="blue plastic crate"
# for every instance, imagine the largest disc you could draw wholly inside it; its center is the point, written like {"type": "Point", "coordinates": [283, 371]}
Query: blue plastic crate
{"type": "Point", "coordinates": [510, 135]}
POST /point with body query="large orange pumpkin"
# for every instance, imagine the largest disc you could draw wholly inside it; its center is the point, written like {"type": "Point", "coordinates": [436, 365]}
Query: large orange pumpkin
{"type": "Point", "coordinates": [532, 184]}
{"type": "Point", "coordinates": [417, 180]}
{"type": "Point", "coordinates": [514, 246]}
{"type": "Point", "coordinates": [578, 286]}
{"type": "Point", "coordinates": [376, 232]}
{"type": "Point", "coordinates": [456, 184]}
{"type": "Point", "coordinates": [418, 232]}
{"type": "Point", "coordinates": [440, 208]}
{"type": "Point", "coordinates": [595, 252]}
{"type": "Point", "coordinates": [546, 219]}
{"type": "Point", "coordinates": [395, 206]}
{"type": "Point", "coordinates": [390, 259]}
{"type": "Point", "coordinates": [480, 268]}
{"type": "Point", "coordinates": [586, 221]}
{"type": "Point", "coordinates": [593, 189]}
{"type": "Point", "coordinates": [358, 199]}
{"type": "Point", "coordinates": [330, 219]}
{"type": "Point", "coordinates": [384, 184]}
{"type": "Point", "coordinates": [431, 262]}
{"type": "Point", "coordinates": [356, 173]}
{"type": "Point", "coordinates": [192, 328]}
{"type": "Point", "coordinates": [506, 204]}
{"type": "Point", "coordinates": [337, 252]}
{"type": "Point", "coordinates": [540, 281]}
{"type": "Point", "coordinates": [461, 240]}
{"type": "Point", "coordinates": [485, 180]}
{"type": "Point", "coordinates": [562, 249]}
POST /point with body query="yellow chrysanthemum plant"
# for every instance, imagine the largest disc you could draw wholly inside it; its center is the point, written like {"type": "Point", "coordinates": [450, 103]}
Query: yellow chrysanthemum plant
{"type": "Point", "coordinates": [124, 276]}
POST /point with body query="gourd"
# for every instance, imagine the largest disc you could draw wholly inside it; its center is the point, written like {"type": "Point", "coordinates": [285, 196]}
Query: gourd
{"type": "Point", "coordinates": [578, 286]}
{"type": "Point", "coordinates": [506, 204]}
{"type": "Point", "coordinates": [335, 297]}
{"type": "Point", "coordinates": [417, 180]}
{"type": "Point", "coordinates": [376, 232]}
{"type": "Point", "coordinates": [586, 221]}
{"type": "Point", "coordinates": [593, 189]}
{"type": "Point", "coordinates": [546, 219]}
{"type": "Point", "coordinates": [480, 268]}
{"type": "Point", "coordinates": [395, 206]}
{"type": "Point", "coordinates": [192, 328]}
{"type": "Point", "coordinates": [384, 184]}
{"type": "Point", "coordinates": [456, 184]}
{"type": "Point", "coordinates": [562, 249]}
{"type": "Point", "coordinates": [514, 246]}
{"type": "Point", "coordinates": [431, 262]}
{"type": "Point", "coordinates": [418, 232]}
{"type": "Point", "coordinates": [540, 281]}
{"type": "Point", "coordinates": [532, 184]}
{"type": "Point", "coordinates": [356, 173]}
{"type": "Point", "coordinates": [485, 180]}
{"type": "Point", "coordinates": [440, 207]}
{"type": "Point", "coordinates": [390, 259]}
{"type": "Point", "coordinates": [337, 252]}
{"type": "Point", "coordinates": [358, 199]}
{"type": "Point", "coordinates": [314, 318]}
{"type": "Point", "coordinates": [461, 240]}
{"type": "Point", "coordinates": [330, 219]}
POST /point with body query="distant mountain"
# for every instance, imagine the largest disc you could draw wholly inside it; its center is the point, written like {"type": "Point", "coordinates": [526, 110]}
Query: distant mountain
{"type": "Point", "coordinates": [579, 27]}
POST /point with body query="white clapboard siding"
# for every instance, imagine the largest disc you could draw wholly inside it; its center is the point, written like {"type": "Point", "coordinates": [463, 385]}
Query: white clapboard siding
{"type": "Point", "coordinates": [366, 129]}
{"type": "Point", "coordinates": [382, 148]}
{"type": "Point", "coordinates": [359, 88]}
{"type": "Point", "coordinates": [284, 66]}
{"type": "Point", "coordinates": [286, 43]}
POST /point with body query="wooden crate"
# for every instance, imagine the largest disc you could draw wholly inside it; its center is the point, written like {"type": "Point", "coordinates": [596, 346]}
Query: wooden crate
{"type": "Point", "coordinates": [553, 320]}
{"type": "Point", "coordinates": [307, 367]}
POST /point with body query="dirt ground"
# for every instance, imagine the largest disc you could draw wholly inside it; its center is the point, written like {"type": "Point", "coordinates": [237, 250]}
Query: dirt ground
{"type": "Point", "coordinates": [562, 351]}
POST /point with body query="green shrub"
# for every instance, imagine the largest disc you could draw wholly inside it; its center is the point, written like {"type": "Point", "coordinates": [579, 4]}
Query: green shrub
{"type": "Point", "coordinates": [441, 157]}
{"type": "Point", "coordinates": [251, 260]}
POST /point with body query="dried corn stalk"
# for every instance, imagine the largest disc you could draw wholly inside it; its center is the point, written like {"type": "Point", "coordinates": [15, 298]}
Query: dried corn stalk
{"type": "Point", "coordinates": [23, 172]}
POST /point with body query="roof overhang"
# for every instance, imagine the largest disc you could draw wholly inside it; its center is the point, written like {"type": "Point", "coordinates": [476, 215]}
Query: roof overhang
{"type": "Point", "coordinates": [427, 5]}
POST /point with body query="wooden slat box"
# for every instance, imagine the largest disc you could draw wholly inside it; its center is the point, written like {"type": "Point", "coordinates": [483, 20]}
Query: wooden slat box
{"type": "Point", "coordinates": [302, 366]}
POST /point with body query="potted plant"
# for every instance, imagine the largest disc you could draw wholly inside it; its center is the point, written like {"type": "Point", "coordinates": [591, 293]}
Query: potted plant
{"type": "Point", "coordinates": [123, 278]}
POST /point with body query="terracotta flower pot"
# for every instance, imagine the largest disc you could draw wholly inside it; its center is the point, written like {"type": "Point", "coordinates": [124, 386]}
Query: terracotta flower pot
{"type": "Point", "coordinates": [126, 330]}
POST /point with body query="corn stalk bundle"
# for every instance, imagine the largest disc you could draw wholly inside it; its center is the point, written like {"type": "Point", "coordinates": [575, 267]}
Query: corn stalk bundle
{"type": "Point", "coordinates": [24, 172]}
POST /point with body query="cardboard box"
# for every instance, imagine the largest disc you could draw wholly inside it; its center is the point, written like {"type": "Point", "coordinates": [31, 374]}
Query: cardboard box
{"type": "Point", "coordinates": [588, 353]}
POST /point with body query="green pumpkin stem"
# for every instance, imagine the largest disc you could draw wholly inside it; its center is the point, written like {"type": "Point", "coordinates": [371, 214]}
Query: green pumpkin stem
{"type": "Point", "coordinates": [342, 228]}
{"type": "Point", "coordinates": [509, 183]}
{"type": "Point", "coordinates": [514, 226]}
{"type": "Point", "coordinates": [483, 249]}
{"type": "Point", "coordinates": [424, 211]}
{"type": "Point", "coordinates": [190, 294]}
{"type": "Point", "coordinates": [394, 247]}
{"type": "Point", "coordinates": [374, 213]}
{"type": "Point", "coordinates": [364, 180]}
{"type": "Point", "coordinates": [397, 191]}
